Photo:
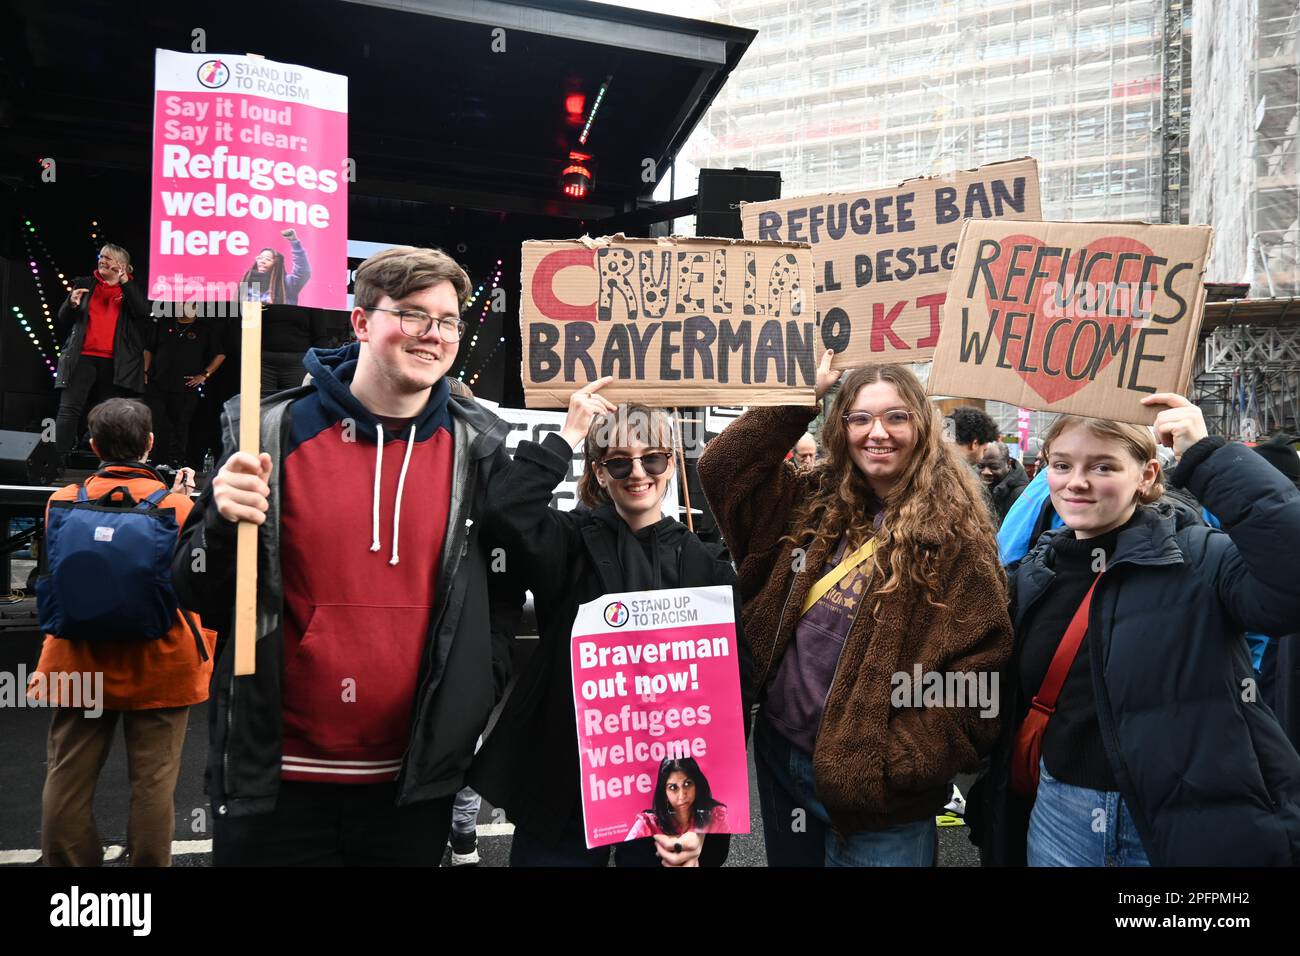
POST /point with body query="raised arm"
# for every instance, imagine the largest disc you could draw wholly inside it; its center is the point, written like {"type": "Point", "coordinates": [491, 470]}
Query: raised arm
{"type": "Point", "coordinates": [521, 516]}
{"type": "Point", "coordinates": [1253, 572]}
{"type": "Point", "coordinates": [750, 488]}
{"type": "Point", "coordinates": [296, 279]}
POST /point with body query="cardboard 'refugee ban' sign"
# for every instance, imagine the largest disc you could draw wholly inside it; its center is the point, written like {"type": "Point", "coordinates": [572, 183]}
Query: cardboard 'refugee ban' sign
{"type": "Point", "coordinates": [676, 321]}
{"type": "Point", "coordinates": [883, 257]}
{"type": "Point", "coordinates": [1077, 317]}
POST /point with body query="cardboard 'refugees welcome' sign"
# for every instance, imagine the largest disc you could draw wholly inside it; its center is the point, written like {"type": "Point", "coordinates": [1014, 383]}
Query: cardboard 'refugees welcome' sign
{"type": "Point", "coordinates": [676, 321]}
{"type": "Point", "coordinates": [1077, 317]}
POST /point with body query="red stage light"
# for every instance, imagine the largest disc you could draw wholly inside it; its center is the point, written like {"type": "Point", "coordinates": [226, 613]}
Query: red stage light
{"type": "Point", "coordinates": [576, 181]}
{"type": "Point", "coordinates": [575, 103]}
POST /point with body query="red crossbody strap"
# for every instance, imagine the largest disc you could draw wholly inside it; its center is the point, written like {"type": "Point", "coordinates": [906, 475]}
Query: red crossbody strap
{"type": "Point", "coordinates": [1066, 652]}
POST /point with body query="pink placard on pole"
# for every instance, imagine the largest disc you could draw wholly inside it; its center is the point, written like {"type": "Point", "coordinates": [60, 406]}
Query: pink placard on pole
{"type": "Point", "coordinates": [656, 692]}
{"type": "Point", "coordinates": [244, 149]}
{"type": "Point", "coordinates": [1022, 427]}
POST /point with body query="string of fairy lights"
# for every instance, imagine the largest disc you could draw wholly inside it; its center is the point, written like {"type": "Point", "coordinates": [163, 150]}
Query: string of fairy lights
{"type": "Point", "coordinates": [478, 328]}
{"type": "Point", "coordinates": [31, 239]}
{"type": "Point", "coordinates": [27, 330]}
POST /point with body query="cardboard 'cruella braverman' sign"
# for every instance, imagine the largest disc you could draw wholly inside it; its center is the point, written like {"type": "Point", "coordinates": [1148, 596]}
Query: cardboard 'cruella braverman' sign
{"type": "Point", "coordinates": [676, 321]}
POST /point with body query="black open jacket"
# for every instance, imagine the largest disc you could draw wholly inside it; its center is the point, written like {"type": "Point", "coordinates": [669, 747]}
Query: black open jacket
{"type": "Point", "coordinates": [134, 332]}
{"type": "Point", "coordinates": [1201, 761]}
{"type": "Point", "coordinates": [467, 658]}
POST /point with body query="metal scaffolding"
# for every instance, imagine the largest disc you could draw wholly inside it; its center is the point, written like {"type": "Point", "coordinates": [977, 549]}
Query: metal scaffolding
{"type": "Point", "coordinates": [1175, 115]}
{"type": "Point", "coordinates": [1276, 194]}
{"type": "Point", "coordinates": [1248, 378]}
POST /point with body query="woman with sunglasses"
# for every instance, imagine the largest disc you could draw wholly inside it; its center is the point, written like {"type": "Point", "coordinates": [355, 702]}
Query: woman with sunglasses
{"type": "Point", "coordinates": [618, 540]}
{"type": "Point", "coordinates": [868, 581]}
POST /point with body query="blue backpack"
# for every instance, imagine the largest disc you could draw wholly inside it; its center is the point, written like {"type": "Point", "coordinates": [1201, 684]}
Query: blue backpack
{"type": "Point", "coordinates": [109, 568]}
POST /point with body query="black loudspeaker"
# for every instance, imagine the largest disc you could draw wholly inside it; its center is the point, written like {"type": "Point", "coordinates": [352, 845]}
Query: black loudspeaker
{"type": "Point", "coordinates": [720, 194]}
{"type": "Point", "coordinates": [26, 460]}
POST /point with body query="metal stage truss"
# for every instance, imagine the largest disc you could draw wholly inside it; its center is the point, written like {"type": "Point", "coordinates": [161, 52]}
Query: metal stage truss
{"type": "Point", "coordinates": [1249, 380]}
{"type": "Point", "coordinates": [1259, 348]}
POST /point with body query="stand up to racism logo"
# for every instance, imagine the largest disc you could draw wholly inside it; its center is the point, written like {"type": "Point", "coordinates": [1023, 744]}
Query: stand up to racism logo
{"type": "Point", "coordinates": [616, 614]}
{"type": "Point", "coordinates": [213, 74]}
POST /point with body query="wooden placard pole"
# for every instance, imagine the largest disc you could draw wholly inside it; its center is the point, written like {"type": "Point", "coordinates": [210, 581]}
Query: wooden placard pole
{"type": "Point", "coordinates": [681, 464]}
{"type": "Point", "coordinates": [250, 418]}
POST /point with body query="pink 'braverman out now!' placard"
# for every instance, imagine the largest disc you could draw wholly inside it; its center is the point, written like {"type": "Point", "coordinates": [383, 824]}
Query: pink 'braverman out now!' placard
{"type": "Point", "coordinates": [656, 691]}
{"type": "Point", "coordinates": [245, 149]}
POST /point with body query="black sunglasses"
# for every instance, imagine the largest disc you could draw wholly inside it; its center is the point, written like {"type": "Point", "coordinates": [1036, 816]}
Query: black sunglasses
{"type": "Point", "coordinates": [655, 463]}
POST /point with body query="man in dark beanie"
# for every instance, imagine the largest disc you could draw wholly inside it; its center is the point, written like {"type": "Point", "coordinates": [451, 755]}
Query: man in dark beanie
{"type": "Point", "coordinates": [1279, 681]}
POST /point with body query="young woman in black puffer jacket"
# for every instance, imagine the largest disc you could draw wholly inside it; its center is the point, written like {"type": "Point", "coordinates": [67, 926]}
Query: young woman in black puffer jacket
{"type": "Point", "coordinates": [1159, 751]}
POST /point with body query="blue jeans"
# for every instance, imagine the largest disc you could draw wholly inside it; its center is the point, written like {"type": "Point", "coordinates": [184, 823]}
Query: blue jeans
{"type": "Point", "coordinates": [465, 808]}
{"type": "Point", "coordinates": [464, 812]}
{"type": "Point", "coordinates": [797, 828]}
{"type": "Point", "coordinates": [1075, 826]}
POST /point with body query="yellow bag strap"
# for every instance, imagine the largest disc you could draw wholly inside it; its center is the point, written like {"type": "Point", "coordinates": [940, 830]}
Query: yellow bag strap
{"type": "Point", "coordinates": [844, 567]}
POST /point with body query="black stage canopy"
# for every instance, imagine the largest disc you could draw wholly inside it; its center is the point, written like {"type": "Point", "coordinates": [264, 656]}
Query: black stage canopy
{"type": "Point", "coordinates": [451, 101]}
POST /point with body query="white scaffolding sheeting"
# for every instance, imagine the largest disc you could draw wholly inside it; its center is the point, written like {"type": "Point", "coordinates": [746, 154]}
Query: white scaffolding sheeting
{"type": "Point", "coordinates": [1245, 122]}
{"type": "Point", "coordinates": [853, 95]}
{"type": "Point", "coordinates": [1244, 182]}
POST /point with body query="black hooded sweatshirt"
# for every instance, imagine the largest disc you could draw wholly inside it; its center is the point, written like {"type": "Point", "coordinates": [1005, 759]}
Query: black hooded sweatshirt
{"type": "Point", "coordinates": [529, 763]}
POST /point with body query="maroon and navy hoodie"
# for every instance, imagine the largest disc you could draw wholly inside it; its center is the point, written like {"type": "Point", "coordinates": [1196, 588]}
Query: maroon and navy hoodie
{"type": "Point", "coordinates": [363, 524]}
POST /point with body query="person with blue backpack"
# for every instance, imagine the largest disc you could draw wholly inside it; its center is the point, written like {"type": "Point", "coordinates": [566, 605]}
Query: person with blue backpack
{"type": "Point", "coordinates": [107, 608]}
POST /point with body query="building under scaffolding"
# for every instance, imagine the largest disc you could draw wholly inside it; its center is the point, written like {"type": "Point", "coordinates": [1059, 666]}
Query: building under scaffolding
{"type": "Point", "coordinates": [1245, 122]}
{"type": "Point", "coordinates": [852, 95]}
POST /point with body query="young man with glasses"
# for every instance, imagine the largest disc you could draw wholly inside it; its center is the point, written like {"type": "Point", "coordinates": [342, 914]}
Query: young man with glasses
{"type": "Point", "coordinates": [377, 661]}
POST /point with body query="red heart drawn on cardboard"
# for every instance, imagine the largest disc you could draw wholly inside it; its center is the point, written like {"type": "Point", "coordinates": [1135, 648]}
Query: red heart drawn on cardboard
{"type": "Point", "coordinates": [1073, 333]}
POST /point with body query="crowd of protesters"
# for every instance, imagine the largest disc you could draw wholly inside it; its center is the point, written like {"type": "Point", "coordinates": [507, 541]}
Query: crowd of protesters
{"type": "Point", "coordinates": [1134, 618]}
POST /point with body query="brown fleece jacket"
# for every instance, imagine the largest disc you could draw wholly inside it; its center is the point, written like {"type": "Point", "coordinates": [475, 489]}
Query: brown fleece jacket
{"type": "Point", "coordinates": [875, 765]}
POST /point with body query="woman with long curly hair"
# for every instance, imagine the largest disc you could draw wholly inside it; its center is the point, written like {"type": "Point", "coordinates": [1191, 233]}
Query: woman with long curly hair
{"type": "Point", "coordinates": [270, 282]}
{"type": "Point", "coordinates": [287, 334]}
{"type": "Point", "coordinates": [876, 611]}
